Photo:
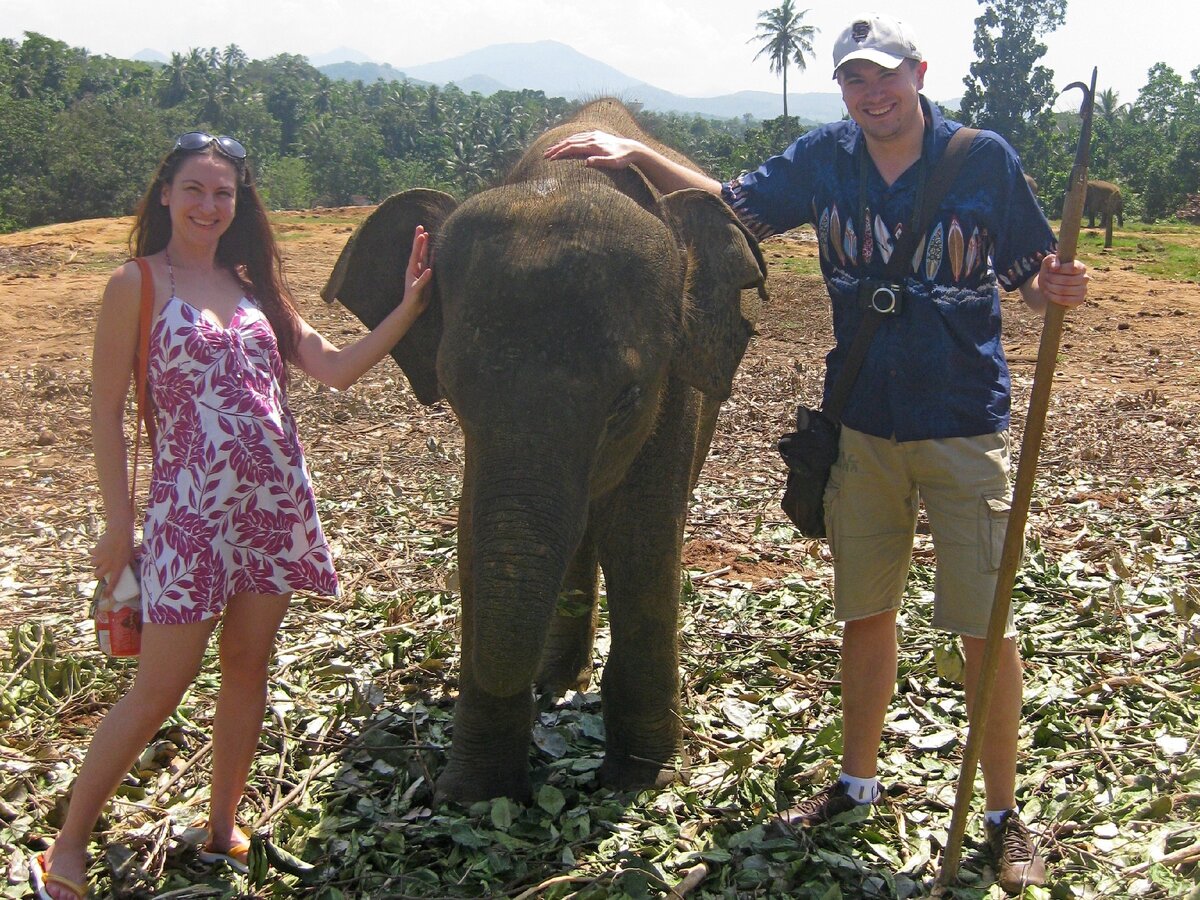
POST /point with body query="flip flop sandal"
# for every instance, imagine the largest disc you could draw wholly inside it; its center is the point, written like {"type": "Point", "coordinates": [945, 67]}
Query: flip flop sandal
{"type": "Point", "coordinates": [40, 880]}
{"type": "Point", "coordinates": [236, 857]}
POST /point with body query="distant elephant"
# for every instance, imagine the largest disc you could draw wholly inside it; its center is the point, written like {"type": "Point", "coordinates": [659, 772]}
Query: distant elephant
{"type": "Point", "coordinates": [1104, 199]}
{"type": "Point", "coordinates": [585, 331]}
{"type": "Point", "coordinates": [1033, 187]}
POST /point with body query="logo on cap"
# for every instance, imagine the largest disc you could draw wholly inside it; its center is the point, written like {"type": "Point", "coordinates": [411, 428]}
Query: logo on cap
{"type": "Point", "coordinates": [860, 30]}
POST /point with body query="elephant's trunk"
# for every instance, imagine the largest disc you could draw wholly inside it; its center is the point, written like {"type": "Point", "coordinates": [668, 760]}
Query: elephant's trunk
{"type": "Point", "coordinates": [525, 525]}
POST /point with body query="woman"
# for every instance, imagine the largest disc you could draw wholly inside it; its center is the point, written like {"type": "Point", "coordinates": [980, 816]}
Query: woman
{"type": "Point", "coordinates": [243, 532]}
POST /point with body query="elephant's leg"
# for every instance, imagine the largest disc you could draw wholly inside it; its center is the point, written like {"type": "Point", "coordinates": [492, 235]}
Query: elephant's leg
{"type": "Point", "coordinates": [640, 556]}
{"type": "Point", "coordinates": [640, 686]}
{"type": "Point", "coordinates": [489, 752]}
{"type": "Point", "coordinates": [567, 656]}
{"type": "Point", "coordinates": [489, 749]}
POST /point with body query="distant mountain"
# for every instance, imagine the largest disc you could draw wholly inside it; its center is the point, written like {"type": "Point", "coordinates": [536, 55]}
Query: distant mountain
{"type": "Point", "coordinates": [560, 71]}
{"type": "Point", "coordinates": [150, 55]}
{"type": "Point", "coordinates": [810, 108]}
{"type": "Point", "coordinates": [339, 55]}
{"type": "Point", "coordinates": [481, 84]}
{"type": "Point", "coordinates": [366, 72]}
{"type": "Point", "coordinates": [548, 66]}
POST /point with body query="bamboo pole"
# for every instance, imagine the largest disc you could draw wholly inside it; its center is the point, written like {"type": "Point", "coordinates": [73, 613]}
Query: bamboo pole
{"type": "Point", "coordinates": [1014, 535]}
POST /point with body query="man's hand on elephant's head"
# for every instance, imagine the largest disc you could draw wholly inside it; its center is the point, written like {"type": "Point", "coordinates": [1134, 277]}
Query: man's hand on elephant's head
{"type": "Point", "coordinates": [597, 149]}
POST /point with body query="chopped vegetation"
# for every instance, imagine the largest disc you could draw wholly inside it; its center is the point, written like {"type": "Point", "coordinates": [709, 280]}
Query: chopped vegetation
{"type": "Point", "coordinates": [363, 687]}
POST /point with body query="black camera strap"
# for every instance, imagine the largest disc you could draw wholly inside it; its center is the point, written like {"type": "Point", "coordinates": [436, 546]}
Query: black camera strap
{"type": "Point", "coordinates": [900, 262]}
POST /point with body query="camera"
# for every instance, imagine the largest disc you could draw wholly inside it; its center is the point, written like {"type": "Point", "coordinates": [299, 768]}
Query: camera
{"type": "Point", "coordinates": [885, 297]}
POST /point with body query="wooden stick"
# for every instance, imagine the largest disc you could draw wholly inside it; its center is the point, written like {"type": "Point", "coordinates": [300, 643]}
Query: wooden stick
{"type": "Point", "coordinates": [1014, 535]}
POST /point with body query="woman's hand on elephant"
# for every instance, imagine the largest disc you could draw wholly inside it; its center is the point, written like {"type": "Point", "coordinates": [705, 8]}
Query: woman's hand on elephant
{"type": "Point", "coordinates": [112, 553]}
{"type": "Point", "coordinates": [418, 273]}
{"type": "Point", "coordinates": [1063, 284]}
{"type": "Point", "coordinates": [598, 149]}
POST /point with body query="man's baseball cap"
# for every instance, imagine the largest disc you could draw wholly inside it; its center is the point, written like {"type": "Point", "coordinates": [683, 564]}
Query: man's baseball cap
{"type": "Point", "coordinates": [882, 40]}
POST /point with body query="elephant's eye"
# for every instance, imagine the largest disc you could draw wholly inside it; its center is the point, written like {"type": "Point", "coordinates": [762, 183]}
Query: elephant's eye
{"type": "Point", "coordinates": [625, 406]}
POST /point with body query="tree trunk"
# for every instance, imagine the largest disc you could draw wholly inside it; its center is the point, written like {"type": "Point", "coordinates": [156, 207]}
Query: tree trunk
{"type": "Point", "coordinates": [785, 89]}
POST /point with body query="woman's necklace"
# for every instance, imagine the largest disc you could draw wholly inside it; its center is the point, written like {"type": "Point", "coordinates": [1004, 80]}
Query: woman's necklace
{"type": "Point", "coordinates": [170, 271]}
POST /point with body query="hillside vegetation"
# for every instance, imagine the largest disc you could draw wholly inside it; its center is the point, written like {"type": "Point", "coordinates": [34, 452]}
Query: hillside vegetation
{"type": "Point", "coordinates": [80, 133]}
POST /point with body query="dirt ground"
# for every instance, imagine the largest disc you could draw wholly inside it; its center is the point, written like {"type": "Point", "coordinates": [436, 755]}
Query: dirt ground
{"type": "Point", "coordinates": [1131, 355]}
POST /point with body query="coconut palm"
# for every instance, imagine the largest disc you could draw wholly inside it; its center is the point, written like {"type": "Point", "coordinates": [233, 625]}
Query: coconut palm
{"type": "Point", "coordinates": [785, 39]}
{"type": "Point", "coordinates": [1109, 105]}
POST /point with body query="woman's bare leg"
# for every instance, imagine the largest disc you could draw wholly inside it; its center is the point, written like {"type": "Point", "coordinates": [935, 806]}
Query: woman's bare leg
{"type": "Point", "coordinates": [169, 659]}
{"type": "Point", "coordinates": [247, 645]}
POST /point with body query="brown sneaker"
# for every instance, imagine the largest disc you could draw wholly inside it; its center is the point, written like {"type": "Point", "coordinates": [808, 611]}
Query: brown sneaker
{"type": "Point", "coordinates": [820, 807]}
{"type": "Point", "coordinates": [1017, 861]}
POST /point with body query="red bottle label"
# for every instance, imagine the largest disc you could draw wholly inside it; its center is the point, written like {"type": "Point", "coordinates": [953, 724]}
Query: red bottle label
{"type": "Point", "coordinates": [120, 631]}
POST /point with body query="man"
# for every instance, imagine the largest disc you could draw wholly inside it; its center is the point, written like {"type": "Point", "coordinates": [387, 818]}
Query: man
{"type": "Point", "coordinates": [928, 416]}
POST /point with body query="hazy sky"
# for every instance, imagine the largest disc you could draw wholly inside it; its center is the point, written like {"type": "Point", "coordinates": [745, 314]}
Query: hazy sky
{"type": "Point", "coordinates": [696, 48]}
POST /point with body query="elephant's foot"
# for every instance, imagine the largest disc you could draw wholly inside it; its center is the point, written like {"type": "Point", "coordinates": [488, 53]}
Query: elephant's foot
{"type": "Point", "coordinates": [460, 783]}
{"type": "Point", "coordinates": [558, 677]}
{"type": "Point", "coordinates": [489, 747]}
{"type": "Point", "coordinates": [635, 774]}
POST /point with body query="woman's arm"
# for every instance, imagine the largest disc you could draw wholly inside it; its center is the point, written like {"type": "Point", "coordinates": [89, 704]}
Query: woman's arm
{"type": "Point", "coordinates": [340, 368]}
{"type": "Point", "coordinates": [112, 368]}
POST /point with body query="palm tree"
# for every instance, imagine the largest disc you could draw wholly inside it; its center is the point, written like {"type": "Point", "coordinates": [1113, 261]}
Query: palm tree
{"type": "Point", "coordinates": [1109, 105]}
{"type": "Point", "coordinates": [784, 39]}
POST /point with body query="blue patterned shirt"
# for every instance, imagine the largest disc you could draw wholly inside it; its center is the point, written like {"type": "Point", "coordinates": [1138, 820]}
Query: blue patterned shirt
{"type": "Point", "coordinates": [936, 370]}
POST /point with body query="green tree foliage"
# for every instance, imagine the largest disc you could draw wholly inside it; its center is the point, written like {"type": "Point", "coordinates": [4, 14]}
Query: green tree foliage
{"type": "Point", "coordinates": [285, 182]}
{"type": "Point", "coordinates": [80, 134]}
{"type": "Point", "coordinates": [785, 40]}
{"type": "Point", "coordinates": [1008, 91]}
{"type": "Point", "coordinates": [23, 125]}
{"type": "Point", "coordinates": [1158, 140]}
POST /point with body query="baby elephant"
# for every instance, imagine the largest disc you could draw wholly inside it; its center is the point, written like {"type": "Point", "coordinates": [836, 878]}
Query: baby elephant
{"type": "Point", "coordinates": [585, 331]}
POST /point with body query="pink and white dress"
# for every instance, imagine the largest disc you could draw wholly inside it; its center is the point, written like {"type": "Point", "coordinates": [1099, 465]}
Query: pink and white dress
{"type": "Point", "coordinates": [231, 506]}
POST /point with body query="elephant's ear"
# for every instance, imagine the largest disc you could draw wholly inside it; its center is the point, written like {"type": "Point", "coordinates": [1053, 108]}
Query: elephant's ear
{"type": "Point", "coordinates": [723, 260]}
{"type": "Point", "coordinates": [368, 279]}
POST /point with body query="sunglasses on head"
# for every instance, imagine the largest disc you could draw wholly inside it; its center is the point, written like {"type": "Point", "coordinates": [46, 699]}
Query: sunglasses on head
{"type": "Point", "coordinates": [199, 140]}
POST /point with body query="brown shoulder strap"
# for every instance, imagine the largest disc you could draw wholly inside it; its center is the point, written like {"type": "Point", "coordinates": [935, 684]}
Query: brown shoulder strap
{"type": "Point", "coordinates": [944, 173]}
{"type": "Point", "coordinates": [141, 366]}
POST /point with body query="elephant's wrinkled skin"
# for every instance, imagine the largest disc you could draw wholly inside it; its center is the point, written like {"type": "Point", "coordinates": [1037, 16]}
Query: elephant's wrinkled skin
{"type": "Point", "coordinates": [587, 388]}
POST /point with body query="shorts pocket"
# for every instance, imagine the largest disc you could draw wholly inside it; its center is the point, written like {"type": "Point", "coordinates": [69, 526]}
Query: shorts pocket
{"type": "Point", "coordinates": [994, 510]}
{"type": "Point", "coordinates": [833, 492]}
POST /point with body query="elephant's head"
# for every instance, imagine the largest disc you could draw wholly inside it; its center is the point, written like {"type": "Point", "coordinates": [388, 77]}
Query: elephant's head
{"type": "Point", "coordinates": [564, 309]}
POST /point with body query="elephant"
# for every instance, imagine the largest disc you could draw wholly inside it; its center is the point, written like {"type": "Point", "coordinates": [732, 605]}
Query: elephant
{"type": "Point", "coordinates": [585, 330]}
{"type": "Point", "coordinates": [1104, 199]}
{"type": "Point", "coordinates": [1033, 185]}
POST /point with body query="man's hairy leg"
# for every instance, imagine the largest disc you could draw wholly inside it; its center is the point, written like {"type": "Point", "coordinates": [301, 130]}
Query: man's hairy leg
{"type": "Point", "coordinates": [998, 756]}
{"type": "Point", "coordinates": [868, 683]}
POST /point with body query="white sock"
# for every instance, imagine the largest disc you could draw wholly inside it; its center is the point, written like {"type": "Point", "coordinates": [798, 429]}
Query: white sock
{"type": "Point", "coordinates": [996, 816]}
{"type": "Point", "coordinates": [860, 790]}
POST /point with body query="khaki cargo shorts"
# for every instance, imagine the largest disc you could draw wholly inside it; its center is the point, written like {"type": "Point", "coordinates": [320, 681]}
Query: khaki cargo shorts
{"type": "Point", "coordinates": [871, 516]}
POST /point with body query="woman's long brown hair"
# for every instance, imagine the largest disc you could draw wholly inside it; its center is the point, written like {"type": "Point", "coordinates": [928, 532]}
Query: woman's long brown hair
{"type": "Point", "coordinates": [247, 248]}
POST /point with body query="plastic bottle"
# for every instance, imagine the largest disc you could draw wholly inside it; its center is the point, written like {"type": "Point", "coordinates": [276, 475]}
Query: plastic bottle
{"type": "Point", "coordinates": [119, 618]}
